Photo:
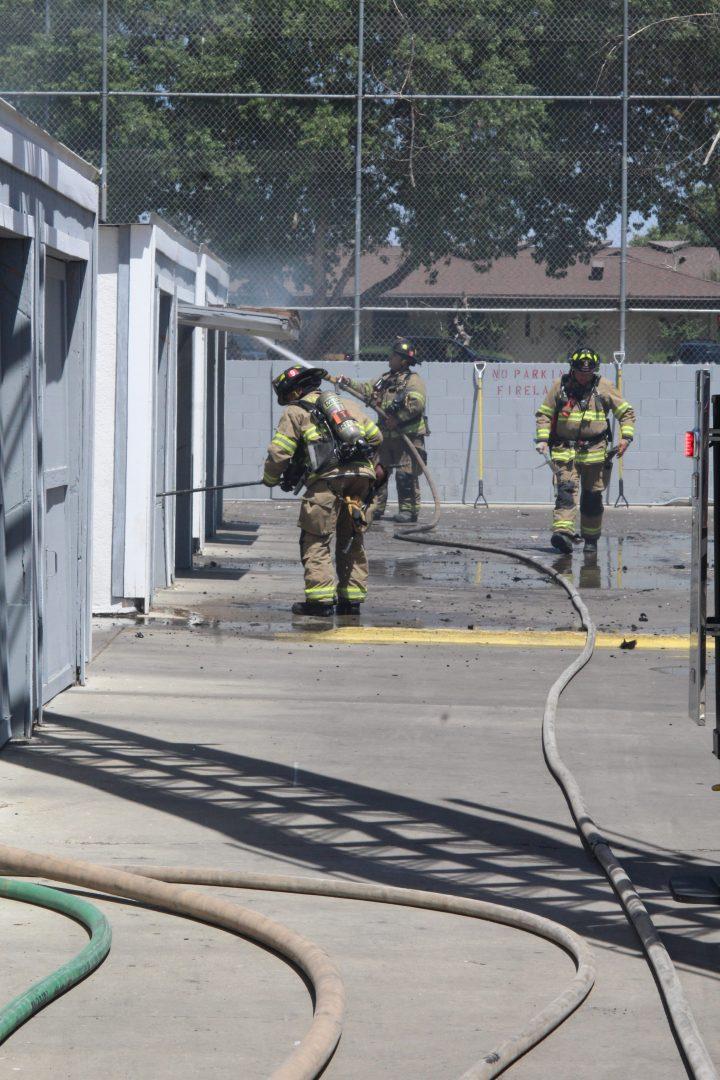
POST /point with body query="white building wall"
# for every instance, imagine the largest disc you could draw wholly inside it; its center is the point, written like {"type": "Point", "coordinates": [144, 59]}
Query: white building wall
{"type": "Point", "coordinates": [140, 263]}
{"type": "Point", "coordinates": [104, 444]}
{"type": "Point", "coordinates": [141, 350]}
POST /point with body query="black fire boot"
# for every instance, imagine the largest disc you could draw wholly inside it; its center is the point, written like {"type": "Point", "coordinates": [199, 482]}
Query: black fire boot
{"type": "Point", "coordinates": [347, 607]}
{"type": "Point", "coordinates": [591, 543]}
{"type": "Point", "coordinates": [311, 607]}
{"type": "Point", "coordinates": [562, 542]}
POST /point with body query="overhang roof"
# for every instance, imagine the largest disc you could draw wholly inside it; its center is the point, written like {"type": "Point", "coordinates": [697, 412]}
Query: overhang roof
{"type": "Point", "coordinates": [277, 325]}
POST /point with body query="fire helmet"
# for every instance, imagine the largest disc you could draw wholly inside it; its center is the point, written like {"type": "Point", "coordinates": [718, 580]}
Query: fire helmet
{"type": "Point", "coordinates": [584, 360]}
{"type": "Point", "coordinates": [297, 378]}
{"type": "Point", "coordinates": [405, 348]}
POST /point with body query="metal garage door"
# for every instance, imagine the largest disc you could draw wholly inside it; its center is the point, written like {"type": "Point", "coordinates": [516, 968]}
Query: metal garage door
{"type": "Point", "coordinates": [61, 446]}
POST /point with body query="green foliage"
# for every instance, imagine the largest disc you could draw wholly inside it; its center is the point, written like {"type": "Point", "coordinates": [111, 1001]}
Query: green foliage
{"type": "Point", "coordinates": [487, 332]}
{"type": "Point", "coordinates": [579, 331]}
{"type": "Point", "coordinates": [675, 51]}
{"type": "Point", "coordinates": [656, 358]}
{"type": "Point", "coordinates": [680, 230]}
{"type": "Point", "coordinates": [676, 328]}
{"type": "Point", "coordinates": [672, 330]}
{"type": "Point", "coordinates": [269, 183]}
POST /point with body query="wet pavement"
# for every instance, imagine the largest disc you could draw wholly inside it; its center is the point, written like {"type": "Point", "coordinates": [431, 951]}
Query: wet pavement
{"type": "Point", "coordinates": [638, 581]}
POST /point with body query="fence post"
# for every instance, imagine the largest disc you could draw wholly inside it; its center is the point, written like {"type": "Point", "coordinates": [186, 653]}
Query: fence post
{"type": "Point", "coordinates": [358, 178]}
{"type": "Point", "coordinates": [619, 360]}
{"type": "Point", "coordinates": [104, 116]}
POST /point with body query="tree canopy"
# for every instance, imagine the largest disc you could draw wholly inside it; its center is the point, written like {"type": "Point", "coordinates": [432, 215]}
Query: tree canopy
{"type": "Point", "coordinates": [268, 182]}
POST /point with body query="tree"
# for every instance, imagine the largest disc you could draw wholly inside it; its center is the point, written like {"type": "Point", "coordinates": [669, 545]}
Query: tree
{"type": "Point", "coordinates": [674, 51]}
{"type": "Point", "coordinates": [579, 331]}
{"type": "Point", "coordinates": [680, 230]}
{"type": "Point", "coordinates": [269, 183]}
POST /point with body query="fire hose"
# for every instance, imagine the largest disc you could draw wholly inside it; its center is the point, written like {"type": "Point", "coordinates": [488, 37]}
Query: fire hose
{"type": "Point", "coordinates": [21, 1008]}
{"type": "Point", "coordinates": [682, 1021]}
{"type": "Point", "coordinates": [166, 888]}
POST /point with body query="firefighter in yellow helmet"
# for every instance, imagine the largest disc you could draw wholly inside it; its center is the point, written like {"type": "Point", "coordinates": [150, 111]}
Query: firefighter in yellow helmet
{"type": "Point", "coordinates": [330, 445]}
{"type": "Point", "coordinates": [401, 394]}
{"type": "Point", "coordinates": [573, 426]}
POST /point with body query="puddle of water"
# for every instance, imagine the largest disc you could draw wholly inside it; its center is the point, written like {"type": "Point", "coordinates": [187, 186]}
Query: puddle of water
{"type": "Point", "coordinates": [633, 564]}
{"type": "Point", "coordinates": [641, 560]}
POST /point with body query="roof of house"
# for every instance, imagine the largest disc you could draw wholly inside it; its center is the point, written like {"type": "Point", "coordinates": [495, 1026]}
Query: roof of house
{"type": "Point", "coordinates": [653, 273]}
{"type": "Point", "coordinates": [659, 272]}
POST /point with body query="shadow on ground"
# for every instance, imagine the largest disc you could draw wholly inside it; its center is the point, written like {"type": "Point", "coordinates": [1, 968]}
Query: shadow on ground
{"type": "Point", "coordinates": [330, 826]}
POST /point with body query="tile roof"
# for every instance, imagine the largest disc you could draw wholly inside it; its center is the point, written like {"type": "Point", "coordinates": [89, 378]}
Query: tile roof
{"type": "Point", "coordinates": [653, 274]}
{"type": "Point", "coordinates": [659, 273]}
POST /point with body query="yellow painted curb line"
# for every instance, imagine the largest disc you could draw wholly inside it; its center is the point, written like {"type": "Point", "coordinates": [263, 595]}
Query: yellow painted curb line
{"type": "Point", "coordinates": [533, 639]}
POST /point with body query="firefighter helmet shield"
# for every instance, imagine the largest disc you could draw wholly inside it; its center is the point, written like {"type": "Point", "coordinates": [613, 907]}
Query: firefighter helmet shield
{"type": "Point", "coordinates": [405, 348]}
{"type": "Point", "coordinates": [585, 360]}
{"type": "Point", "coordinates": [297, 378]}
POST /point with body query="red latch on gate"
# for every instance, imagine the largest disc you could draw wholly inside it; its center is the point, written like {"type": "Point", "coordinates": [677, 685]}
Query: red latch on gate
{"type": "Point", "coordinates": [689, 444]}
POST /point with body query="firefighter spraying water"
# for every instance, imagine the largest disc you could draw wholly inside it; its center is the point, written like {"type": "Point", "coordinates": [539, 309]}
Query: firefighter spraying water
{"type": "Point", "coordinates": [329, 446]}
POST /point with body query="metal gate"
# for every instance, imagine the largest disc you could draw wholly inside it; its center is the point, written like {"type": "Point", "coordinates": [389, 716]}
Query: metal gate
{"type": "Point", "coordinates": [61, 446]}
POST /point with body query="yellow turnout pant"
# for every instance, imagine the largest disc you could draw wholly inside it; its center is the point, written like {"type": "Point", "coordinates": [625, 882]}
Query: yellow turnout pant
{"type": "Point", "coordinates": [323, 514]}
{"type": "Point", "coordinates": [577, 484]}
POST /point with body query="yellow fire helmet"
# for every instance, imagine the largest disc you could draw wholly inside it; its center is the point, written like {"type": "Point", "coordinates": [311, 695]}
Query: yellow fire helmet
{"type": "Point", "coordinates": [585, 360]}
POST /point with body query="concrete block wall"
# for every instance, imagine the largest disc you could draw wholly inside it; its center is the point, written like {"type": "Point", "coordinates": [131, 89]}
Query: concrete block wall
{"type": "Point", "coordinates": [655, 469]}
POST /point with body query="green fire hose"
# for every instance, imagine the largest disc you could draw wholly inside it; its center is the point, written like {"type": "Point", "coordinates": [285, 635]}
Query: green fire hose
{"type": "Point", "coordinates": [40, 994]}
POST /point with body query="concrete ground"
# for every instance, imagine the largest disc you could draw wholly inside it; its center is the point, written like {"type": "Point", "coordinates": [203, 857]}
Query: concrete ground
{"type": "Point", "coordinates": [239, 739]}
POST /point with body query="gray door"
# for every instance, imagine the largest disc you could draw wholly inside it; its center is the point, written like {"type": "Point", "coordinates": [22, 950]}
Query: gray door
{"type": "Point", "coordinates": [162, 565]}
{"type": "Point", "coordinates": [5, 725]}
{"type": "Point", "coordinates": [16, 409]}
{"type": "Point", "coordinates": [60, 458]}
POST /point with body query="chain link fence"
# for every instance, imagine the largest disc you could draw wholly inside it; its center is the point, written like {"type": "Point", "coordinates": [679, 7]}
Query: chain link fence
{"type": "Point", "coordinates": [505, 177]}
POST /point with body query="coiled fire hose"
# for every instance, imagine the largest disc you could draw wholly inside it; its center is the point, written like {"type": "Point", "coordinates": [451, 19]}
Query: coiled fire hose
{"type": "Point", "coordinates": [164, 888]}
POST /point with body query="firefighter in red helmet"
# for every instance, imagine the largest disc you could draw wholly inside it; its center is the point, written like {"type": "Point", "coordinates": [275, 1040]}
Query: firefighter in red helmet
{"type": "Point", "coordinates": [329, 446]}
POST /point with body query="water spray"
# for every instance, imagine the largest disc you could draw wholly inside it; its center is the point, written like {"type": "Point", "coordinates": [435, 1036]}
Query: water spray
{"type": "Point", "coordinates": [291, 356]}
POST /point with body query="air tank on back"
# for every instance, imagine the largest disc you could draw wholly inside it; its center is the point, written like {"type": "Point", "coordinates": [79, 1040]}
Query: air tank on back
{"type": "Point", "coordinates": [346, 429]}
